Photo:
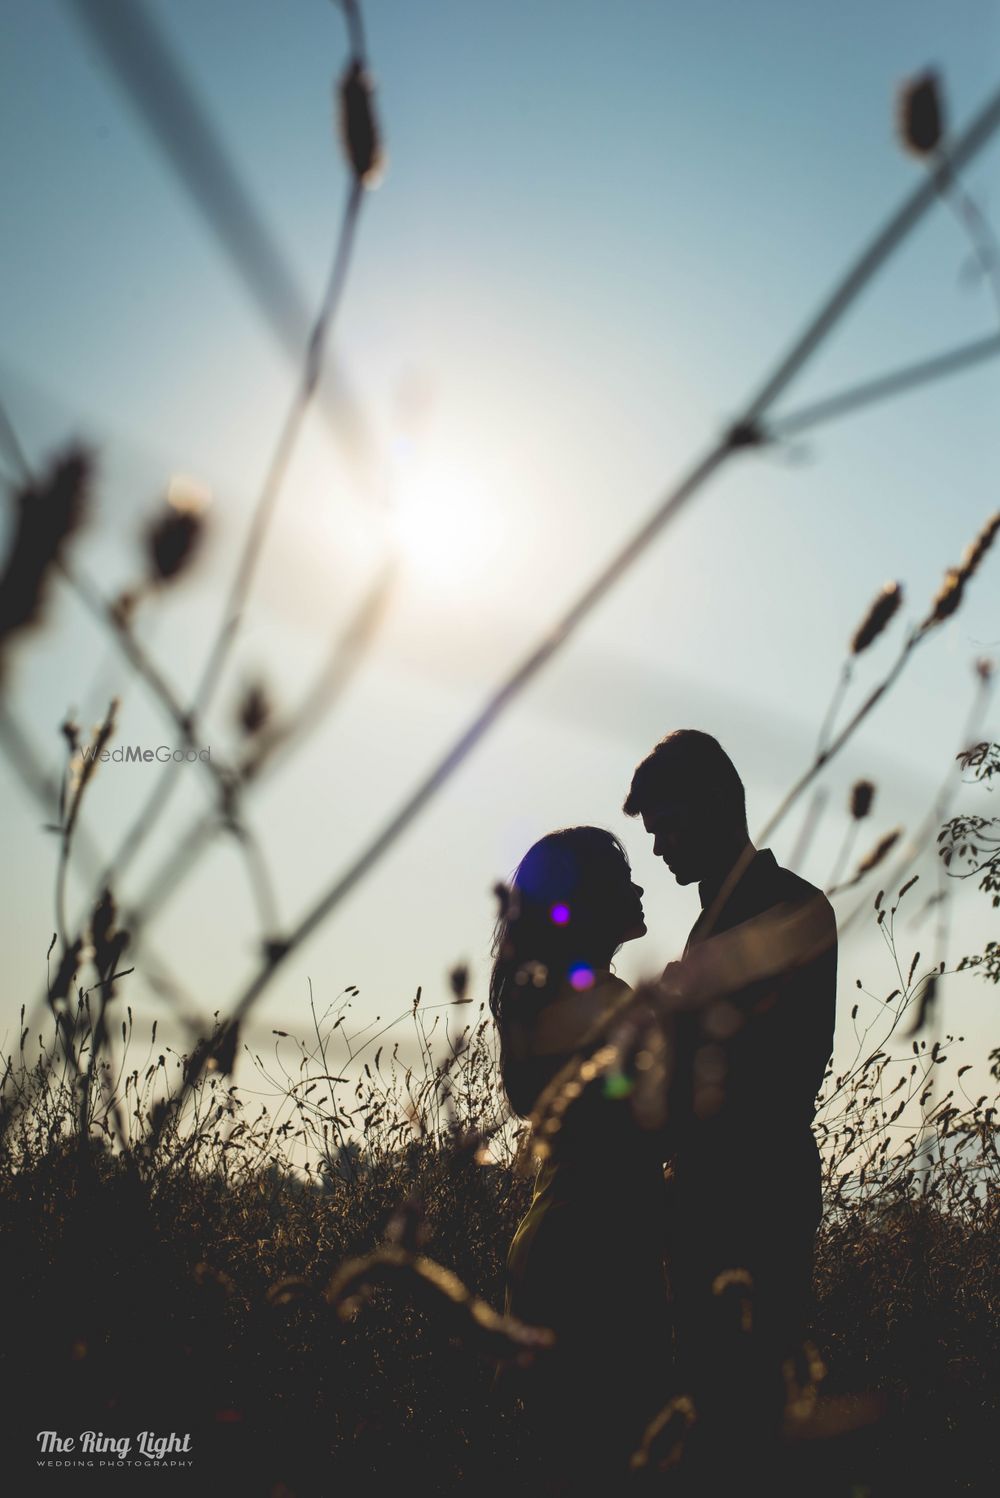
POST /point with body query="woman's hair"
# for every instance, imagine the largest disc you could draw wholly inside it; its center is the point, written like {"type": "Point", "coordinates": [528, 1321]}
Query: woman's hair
{"type": "Point", "coordinates": [565, 907]}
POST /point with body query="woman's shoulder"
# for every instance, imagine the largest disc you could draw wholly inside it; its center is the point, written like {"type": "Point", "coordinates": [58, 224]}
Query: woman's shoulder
{"type": "Point", "coordinates": [574, 1015]}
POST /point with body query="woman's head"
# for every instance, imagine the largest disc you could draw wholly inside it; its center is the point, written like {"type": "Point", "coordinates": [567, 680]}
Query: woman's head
{"type": "Point", "coordinates": [570, 905]}
{"type": "Point", "coordinates": [572, 893]}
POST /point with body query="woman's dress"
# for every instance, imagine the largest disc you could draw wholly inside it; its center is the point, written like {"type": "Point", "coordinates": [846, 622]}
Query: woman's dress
{"type": "Point", "coordinates": [587, 1259]}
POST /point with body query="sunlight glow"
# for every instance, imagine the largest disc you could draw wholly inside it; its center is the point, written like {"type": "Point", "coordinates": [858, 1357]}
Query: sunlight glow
{"type": "Point", "coordinates": [446, 526]}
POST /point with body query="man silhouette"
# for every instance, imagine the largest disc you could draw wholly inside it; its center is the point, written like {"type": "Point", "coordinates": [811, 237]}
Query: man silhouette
{"type": "Point", "coordinates": [753, 1006]}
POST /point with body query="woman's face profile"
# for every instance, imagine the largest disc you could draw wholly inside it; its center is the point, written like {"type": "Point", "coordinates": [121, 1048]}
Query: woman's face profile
{"type": "Point", "coordinates": [633, 917]}
{"type": "Point", "coordinates": [585, 896]}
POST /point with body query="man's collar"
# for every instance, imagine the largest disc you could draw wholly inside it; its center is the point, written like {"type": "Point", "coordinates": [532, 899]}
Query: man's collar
{"type": "Point", "coordinates": [710, 890]}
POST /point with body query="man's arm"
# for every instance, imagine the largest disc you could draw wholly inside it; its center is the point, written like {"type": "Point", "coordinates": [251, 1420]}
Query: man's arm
{"type": "Point", "coordinates": [769, 946]}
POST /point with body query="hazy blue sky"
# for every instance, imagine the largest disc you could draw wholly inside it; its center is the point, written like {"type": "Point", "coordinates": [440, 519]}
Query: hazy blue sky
{"type": "Point", "coordinates": [599, 227]}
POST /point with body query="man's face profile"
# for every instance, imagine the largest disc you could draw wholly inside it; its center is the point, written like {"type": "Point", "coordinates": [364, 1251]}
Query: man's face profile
{"type": "Point", "coordinates": [673, 826]}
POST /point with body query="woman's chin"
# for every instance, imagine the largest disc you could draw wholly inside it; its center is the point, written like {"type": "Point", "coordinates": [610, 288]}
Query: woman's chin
{"type": "Point", "coordinates": [634, 932]}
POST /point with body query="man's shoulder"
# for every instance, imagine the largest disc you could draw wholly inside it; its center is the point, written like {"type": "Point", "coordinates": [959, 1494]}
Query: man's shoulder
{"type": "Point", "coordinates": [797, 888]}
{"type": "Point", "coordinates": [785, 887]}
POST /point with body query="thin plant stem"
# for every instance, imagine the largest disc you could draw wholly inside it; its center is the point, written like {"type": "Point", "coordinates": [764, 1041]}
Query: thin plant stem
{"type": "Point", "coordinates": [744, 433]}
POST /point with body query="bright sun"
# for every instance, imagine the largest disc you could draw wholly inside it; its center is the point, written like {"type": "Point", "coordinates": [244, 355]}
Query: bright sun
{"type": "Point", "coordinates": [447, 525]}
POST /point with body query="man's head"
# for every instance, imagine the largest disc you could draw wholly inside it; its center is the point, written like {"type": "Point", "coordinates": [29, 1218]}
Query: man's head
{"type": "Point", "coordinates": [692, 803]}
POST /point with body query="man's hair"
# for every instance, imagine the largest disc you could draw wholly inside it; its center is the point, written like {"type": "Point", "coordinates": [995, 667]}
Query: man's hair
{"type": "Point", "coordinates": [692, 765]}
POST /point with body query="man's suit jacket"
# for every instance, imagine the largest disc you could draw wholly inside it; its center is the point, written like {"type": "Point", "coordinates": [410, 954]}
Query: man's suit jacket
{"type": "Point", "coordinates": [752, 1054]}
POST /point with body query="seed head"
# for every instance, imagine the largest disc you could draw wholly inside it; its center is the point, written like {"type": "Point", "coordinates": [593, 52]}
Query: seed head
{"type": "Point", "coordinates": [102, 922]}
{"type": "Point", "coordinates": [919, 114]}
{"type": "Point", "coordinates": [47, 514]}
{"type": "Point", "coordinates": [862, 796]}
{"type": "Point", "coordinates": [926, 1006]}
{"type": "Point", "coordinates": [879, 852]}
{"type": "Point", "coordinates": [950, 593]}
{"type": "Point", "coordinates": [882, 610]}
{"type": "Point", "coordinates": [254, 709]}
{"type": "Point", "coordinates": [70, 730]}
{"type": "Point", "coordinates": [174, 536]}
{"type": "Point", "coordinates": [359, 130]}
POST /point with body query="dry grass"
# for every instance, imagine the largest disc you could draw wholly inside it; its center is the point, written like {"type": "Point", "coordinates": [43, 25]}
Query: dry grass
{"type": "Point", "coordinates": [305, 1283]}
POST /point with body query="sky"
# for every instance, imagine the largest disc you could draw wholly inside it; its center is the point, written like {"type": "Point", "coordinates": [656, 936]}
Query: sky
{"type": "Point", "coordinates": [598, 229]}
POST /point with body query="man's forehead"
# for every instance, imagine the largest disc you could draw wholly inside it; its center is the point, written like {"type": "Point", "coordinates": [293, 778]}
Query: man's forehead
{"type": "Point", "coordinates": [663, 811]}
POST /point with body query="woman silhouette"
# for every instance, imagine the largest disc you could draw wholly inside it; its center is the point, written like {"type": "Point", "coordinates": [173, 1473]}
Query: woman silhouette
{"type": "Point", "coordinates": [587, 1260]}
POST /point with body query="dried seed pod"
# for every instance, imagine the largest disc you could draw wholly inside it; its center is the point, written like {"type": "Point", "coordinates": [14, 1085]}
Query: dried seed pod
{"type": "Point", "coordinates": [47, 514]}
{"type": "Point", "coordinates": [86, 766]}
{"type": "Point", "coordinates": [920, 114]}
{"type": "Point", "coordinates": [981, 545]}
{"type": "Point", "coordinates": [225, 1050]}
{"type": "Point", "coordinates": [949, 595]}
{"type": "Point", "coordinates": [862, 796]}
{"type": "Point", "coordinates": [171, 541]}
{"type": "Point", "coordinates": [215, 1052]}
{"type": "Point", "coordinates": [108, 942]}
{"type": "Point", "coordinates": [878, 853]}
{"type": "Point", "coordinates": [254, 709]}
{"type": "Point", "coordinates": [70, 730]}
{"type": "Point", "coordinates": [66, 972]}
{"type": "Point", "coordinates": [882, 610]}
{"type": "Point", "coordinates": [173, 537]}
{"type": "Point", "coordinates": [359, 130]}
{"type": "Point", "coordinates": [103, 920]}
{"type": "Point", "coordinates": [123, 607]}
{"type": "Point", "coordinates": [926, 1006]}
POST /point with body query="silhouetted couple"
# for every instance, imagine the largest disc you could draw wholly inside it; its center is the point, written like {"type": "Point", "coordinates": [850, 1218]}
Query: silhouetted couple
{"type": "Point", "coordinates": [737, 1037]}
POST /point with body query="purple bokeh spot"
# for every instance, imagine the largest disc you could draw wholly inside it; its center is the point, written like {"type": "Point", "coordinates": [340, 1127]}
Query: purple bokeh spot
{"type": "Point", "coordinates": [581, 976]}
{"type": "Point", "coordinates": [560, 915]}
